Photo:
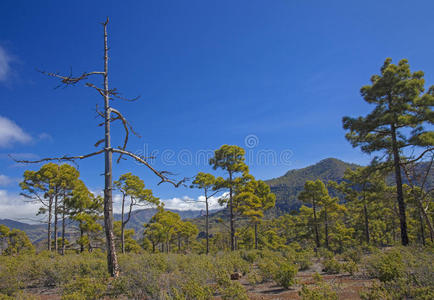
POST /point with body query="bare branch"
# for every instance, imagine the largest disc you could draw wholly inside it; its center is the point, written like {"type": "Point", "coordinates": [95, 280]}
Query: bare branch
{"type": "Point", "coordinates": [419, 157]}
{"type": "Point", "coordinates": [63, 158]}
{"type": "Point", "coordinates": [70, 80]}
{"type": "Point", "coordinates": [160, 174]}
{"type": "Point", "coordinates": [124, 122]}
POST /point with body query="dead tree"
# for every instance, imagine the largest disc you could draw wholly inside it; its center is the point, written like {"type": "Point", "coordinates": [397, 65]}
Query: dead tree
{"type": "Point", "coordinates": [109, 115]}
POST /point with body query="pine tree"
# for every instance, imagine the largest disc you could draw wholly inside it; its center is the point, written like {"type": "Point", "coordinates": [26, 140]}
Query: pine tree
{"type": "Point", "coordinates": [229, 158]}
{"type": "Point", "coordinates": [400, 106]}
{"type": "Point", "coordinates": [133, 187]}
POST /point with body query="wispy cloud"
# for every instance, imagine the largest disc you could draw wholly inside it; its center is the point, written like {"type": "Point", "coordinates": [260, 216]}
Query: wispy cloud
{"type": "Point", "coordinates": [188, 203]}
{"type": "Point", "coordinates": [13, 206]}
{"type": "Point", "coordinates": [5, 64]}
{"type": "Point", "coordinates": [5, 180]}
{"type": "Point", "coordinates": [11, 133]}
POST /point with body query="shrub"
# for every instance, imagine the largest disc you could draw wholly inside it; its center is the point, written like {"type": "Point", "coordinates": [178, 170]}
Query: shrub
{"type": "Point", "coordinates": [386, 266]}
{"type": "Point", "coordinates": [321, 291]}
{"type": "Point", "coordinates": [84, 288]}
{"type": "Point", "coordinates": [233, 290]}
{"type": "Point", "coordinates": [350, 267]}
{"type": "Point", "coordinates": [332, 266]}
{"type": "Point", "coordinates": [285, 275]}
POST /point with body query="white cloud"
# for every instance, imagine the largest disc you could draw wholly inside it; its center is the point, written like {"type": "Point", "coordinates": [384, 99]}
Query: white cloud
{"type": "Point", "coordinates": [14, 207]}
{"type": "Point", "coordinates": [188, 203]}
{"type": "Point", "coordinates": [5, 64]}
{"type": "Point", "coordinates": [45, 136]}
{"type": "Point", "coordinates": [5, 180]}
{"type": "Point", "coordinates": [11, 133]}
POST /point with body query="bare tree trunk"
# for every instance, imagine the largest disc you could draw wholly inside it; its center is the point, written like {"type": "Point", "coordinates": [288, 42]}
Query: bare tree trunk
{"type": "Point", "coordinates": [207, 224]}
{"type": "Point", "coordinates": [365, 213]}
{"type": "Point", "coordinates": [400, 194]}
{"type": "Point", "coordinates": [63, 230]}
{"type": "Point", "coordinates": [56, 246]}
{"type": "Point", "coordinates": [422, 229]}
{"type": "Point", "coordinates": [326, 223]}
{"type": "Point", "coordinates": [231, 214]}
{"type": "Point", "coordinates": [123, 225]}
{"type": "Point", "coordinates": [256, 236]}
{"type": "Point", "coordinates": [315, 224]}
{"type": "Point", "coordinates": [112, 261]}
{"type": "Point", "coordinates": [50, 207]}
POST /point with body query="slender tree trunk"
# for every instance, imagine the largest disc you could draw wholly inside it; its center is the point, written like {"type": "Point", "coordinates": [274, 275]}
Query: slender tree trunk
{"type": "Point", "coordinates": [207, 224]}
{"type": "Point", "coordinates": [123, 225]}
{"type": "Point", "coordinates": [63, 230]}
{"type": "Point", "coordinates": [422, 228]}
{"type": "Point", "coordinates": [326, 223]}
{"type": "Point", "coordinates": [365, 213]}
{"type": "Point", "coordinates": [56, 198]}
{"type": "Point", "coordinates": [50, 207]}
{"type": "Point", "coordinates": [81, 237]}
{"type": "Point", "coordinates": [315, 224]}
{"type": "Point", "coordinates": [400, 194]}
{"type": "Point", "coordinates": [231, 214]}
{"type": "Point", "coordinates": [256, 236]}
{"type": "Point", "coordinates": [112, 261]}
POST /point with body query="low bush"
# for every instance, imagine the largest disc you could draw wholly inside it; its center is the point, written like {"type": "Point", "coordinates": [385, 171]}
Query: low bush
{"type": "Point", "coordinates": [285, 275]}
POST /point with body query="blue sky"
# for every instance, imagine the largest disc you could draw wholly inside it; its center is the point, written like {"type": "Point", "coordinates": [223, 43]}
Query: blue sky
{"type": "Point", "coordinates": [282, 73]}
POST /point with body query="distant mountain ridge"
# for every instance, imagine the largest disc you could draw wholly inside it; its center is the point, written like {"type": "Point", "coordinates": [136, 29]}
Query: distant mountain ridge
{"type": "Point", "coordinates": [287, 187]}
{"type": "Point", "coordinates": [37, 232]}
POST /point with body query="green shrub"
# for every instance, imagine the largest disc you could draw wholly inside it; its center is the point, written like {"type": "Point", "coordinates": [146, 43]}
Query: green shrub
{"type": "Point", "coordinates": [350, 267]}
{"type": "Point", "coordinates": [285, 275]}
{"type": "Point", "coordinates": [320, 291]}
{"type": "Point", "coordinates": [84, 288]}
{"type": "Point", "coordinates": [233, 290]}
{"type": "Point", "coordinates": [332, 266]}
{"type": "Point", "coordinates": [386, 266]}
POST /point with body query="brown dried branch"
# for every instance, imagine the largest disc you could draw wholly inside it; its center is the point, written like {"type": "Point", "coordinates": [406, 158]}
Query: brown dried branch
{"type": "Point", "coordinates": [124, 122]}
{"type": "Point", "coordinates": [70, 80]}
{"type": "Point", "coordinates": [419, 157]}
{"type": "Point", "coordinates": [160, 174]}
{"type": "Point", "coordinates": [63, 158]}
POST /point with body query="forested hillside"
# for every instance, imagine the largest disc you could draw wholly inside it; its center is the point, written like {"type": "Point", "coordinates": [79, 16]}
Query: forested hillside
{"type": "Point", "coordinates": [287, 187]}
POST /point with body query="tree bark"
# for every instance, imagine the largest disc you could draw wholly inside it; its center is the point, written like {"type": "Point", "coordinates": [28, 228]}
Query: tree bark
{"type": "Point", "coordinates": [256, 236]}
{"type": "Point", "coordinates": [50, 207]}
{"type": "Point", "coordinates": [112, 261]}
{"type": "Point", "coordinates": [231, 214]}
{"type": "Point", "coordinates": [56, 246]}
{"type": "Point", "coordinates": [63, 230]}
{"type": "Point", "coordinates": [315, 224]}
{"type": "Point", "coordinates": [122, 225]}
{"type": "Point", "coordinates": [365, 213]}
{"type": "Point", "coordinates": [207, 223]}
{"type": "Point", "coordinates": [326, 228]}
{"type": "Point", "coordinates": [400, 194]}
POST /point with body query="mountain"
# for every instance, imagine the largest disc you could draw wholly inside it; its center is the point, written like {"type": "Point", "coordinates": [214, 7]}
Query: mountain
{"type": "Point", "coordinates": [289, 185]}
{"type": "Point", "coordinates": [37, 232]}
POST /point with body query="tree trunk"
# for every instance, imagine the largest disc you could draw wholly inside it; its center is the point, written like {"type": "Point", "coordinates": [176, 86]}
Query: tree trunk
{"type": "Point", "coordinates": [63, 230]}
{"type": "Point", "coordinates": [400, 194]}
{"type": "Point", "coordinates": [81, 237]}
{"type": "Point", "coordinates": [256, 236]}
{"type": "Point", "coordinates": [365, 213]}
{"type": "Point", "coordinates": [50, 207]}
{"type": "Point", "coordinates": [112, 261]}
{"type": "Point", "coordinates": [326, 228]}
{"type": "Point", "coordinates": [123, 225]}
{"type": "Point", "coordinates": [315, 224]}
{"type": "Point", "coordinates": [231, 214]}
{"type": "Point", "coordinates": [422, 229]}
{"type": "Point", "coordinates": [207, 224]}
{"type": "Point", "coordinates": [56, 246]}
